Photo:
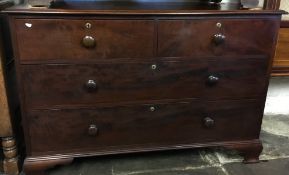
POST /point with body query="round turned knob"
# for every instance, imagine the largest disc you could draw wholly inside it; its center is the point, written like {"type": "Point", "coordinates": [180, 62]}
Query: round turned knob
{"type": "Point", "coordinates": [208, 122]}
{"type": "Point", "coordinates": [215, 1]}
{"type": "Point", "coordinates": [92, 130]}
{"type": "Point", "coordinates": [88, 42]}
{"type": "Point", "coordinates": [212, 80]}
{"type": "Point", "coordinates": [219, 39]}
{"type": "Point", "coordinates": [91, 85]}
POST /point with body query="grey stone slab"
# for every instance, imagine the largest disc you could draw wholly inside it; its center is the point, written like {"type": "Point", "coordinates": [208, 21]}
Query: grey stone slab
{"type": "Point", "coordinates": [224, 156]}
{"type": "Point", "coordinates": [275, 136]}
{"type": "Point", "coordinates": [39, 2]}
{"type": "Point", "coordinates": [274, 146]}
{"type": "Point", "coordinates": [193, 171]}
{"type": "Point", "coordinates": [86, 166]}
{"type": "Point", "coordinates": [166, 161]}
{"type": "Point", "coordinates": [210, 155]}
{"type": "Point", "coordinates": [159, 161]}
{"type": "Point", "coordinates": [272, 167]}
{"type": "Point", "coordinates": [276, 124]}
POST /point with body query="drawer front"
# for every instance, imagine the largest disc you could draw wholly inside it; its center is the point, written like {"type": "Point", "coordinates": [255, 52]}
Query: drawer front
{"type": "Point", "coordinates": [237, 78]}
{"type": "Point", "coordinates": [50, 85]}
{"type": "Point", "coordinates": [136, 127]}
{"type": "Point", "coordinates": [46, 86]}
{"type": "Point", "coordinates": [58, 39]}
{"type": "Point", "coordinates": [177, 38]}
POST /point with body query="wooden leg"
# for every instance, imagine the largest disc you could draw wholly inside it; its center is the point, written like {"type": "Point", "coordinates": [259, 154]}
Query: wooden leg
{"type": "Point", "coordinates": [1, 163]}
{"type": "Point", "coordinates": [250, 151]}
{"type": "Point", "coordinates": [11, 159]}
{"type": "Point", "coordinates": [38, 165]}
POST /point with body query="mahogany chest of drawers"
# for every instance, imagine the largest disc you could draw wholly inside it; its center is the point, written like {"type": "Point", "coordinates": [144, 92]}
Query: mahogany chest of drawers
{"type": "Point", "coordinates": [105, 82]}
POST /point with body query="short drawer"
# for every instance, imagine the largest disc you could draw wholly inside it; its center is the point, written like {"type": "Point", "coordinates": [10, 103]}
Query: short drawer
{"type": "Point", "coordinates": [143, 126]}
{"type": "Point", "coordinates": [231, 37]}
{"type": "Point", "coordinates": [57, 85]}
{"type": "Point", "coordinates": [59, 39]}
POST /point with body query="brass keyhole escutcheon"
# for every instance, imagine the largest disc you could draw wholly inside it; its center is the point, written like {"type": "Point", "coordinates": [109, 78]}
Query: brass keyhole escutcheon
{"type": "Point", "coordinates": [219, 25]}
{"type": "Point", "coordinates": [28, 25]}
{"type": "Point", "coordinates": [153, 66]}
{"type": "Point", "coordinates": [88, 25]}
{"type": "Point", "coordinates": [152, 108]}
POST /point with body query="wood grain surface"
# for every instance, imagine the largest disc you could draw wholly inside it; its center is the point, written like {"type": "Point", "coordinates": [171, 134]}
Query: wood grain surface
{"type": "Point", "coordinates": [155, 80]}
{"type": "Point", "coordinates": [136, 126]}
{"type": "Point", "coordinates": [5, 120]}
{"type": "Point", "coordinates": [114, 39]}
{"type": "Point", "coordinates": [179, 38]}
{"type": "Point", "coordinates": [60, 86]}
{"type": "Point", "coordinates": [281, 59]}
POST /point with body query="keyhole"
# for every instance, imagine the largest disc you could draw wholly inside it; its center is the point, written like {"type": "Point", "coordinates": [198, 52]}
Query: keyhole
{"type": "Point", "coordinates": [29, 25]}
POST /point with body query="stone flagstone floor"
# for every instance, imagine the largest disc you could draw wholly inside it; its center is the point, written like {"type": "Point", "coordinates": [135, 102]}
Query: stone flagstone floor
{"type": "Point", "coordinates": [275, 156]}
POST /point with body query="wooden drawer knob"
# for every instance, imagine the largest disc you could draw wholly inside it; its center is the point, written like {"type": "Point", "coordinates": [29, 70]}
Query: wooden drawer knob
{"type": "Point", "coordinates": [91, 85]}
{"type": "Point", "coordinates": [92, 130]}
{"type": "Point", "coordinates": [212, 80]}
{"type": "Point", "coordinates": [215, 1]}
{"type": "Point", "coordinates": [88, 42]}
{"type": "Point", "coordinates": [209, 122]}
{"type": "Point", "coordinates": [219, 39]}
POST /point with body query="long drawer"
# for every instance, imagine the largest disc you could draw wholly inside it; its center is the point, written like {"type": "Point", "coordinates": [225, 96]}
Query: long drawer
{"type": "Point", "coordinates": [137, 126]}
{"type": "Point", "coordinates": [47, 86]}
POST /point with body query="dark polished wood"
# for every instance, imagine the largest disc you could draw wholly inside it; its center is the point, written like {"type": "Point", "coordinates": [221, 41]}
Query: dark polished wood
{"type": "Point", "coordinates": [148, 8]}
{"type": "Point", "coordinates": [281, 59]}
{"type": "Point", "coordinates": [169, 80]}
{"type": "Point", "coordinates": [134, 78]}
{"type": "Point", "coordinates": [178, 38]}
{"type": "Point", "coordinates": [69, 129]}
{"type": "Point", "coordinates": [250, 151]}
{"type": "Point", "coordinates": [112, 38]}
{"type": "Point", "coordinates": [66, 85]}
{"type": "Point", "coordinates": [37, 166]}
